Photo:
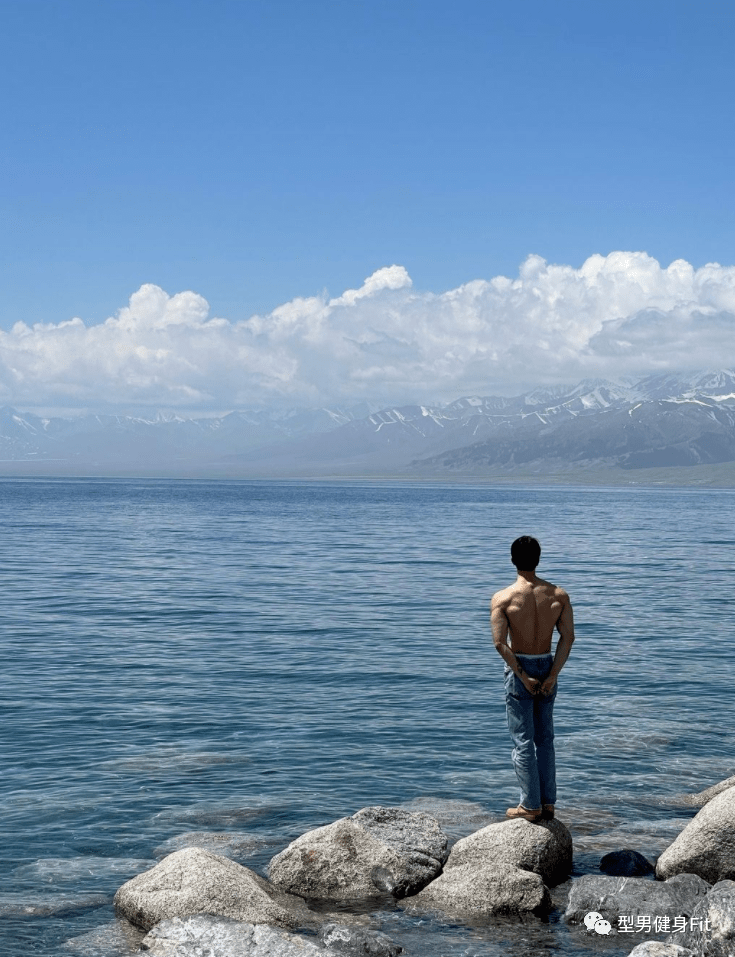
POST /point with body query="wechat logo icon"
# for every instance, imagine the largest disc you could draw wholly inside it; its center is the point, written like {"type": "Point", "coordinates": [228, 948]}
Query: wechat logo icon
{"type": "Point", "coordinates": [596, 922]}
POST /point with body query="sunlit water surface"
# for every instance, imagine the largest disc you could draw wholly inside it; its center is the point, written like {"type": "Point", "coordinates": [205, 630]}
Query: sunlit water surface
{"type": "Point", "coordinates": [252, 660]}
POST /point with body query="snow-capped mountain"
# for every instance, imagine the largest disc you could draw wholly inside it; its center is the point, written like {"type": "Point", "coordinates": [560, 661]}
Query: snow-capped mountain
{"type": "Point", "coordinates": [661, 420]}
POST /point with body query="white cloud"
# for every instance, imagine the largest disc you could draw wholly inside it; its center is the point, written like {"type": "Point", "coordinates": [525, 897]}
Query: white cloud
{"type": "Point", "coordinates": [617, 314]}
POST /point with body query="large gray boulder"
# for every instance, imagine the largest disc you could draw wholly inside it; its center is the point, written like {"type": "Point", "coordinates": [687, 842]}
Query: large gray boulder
{"type": "Point", "coordinates": [706, 846]}
{"type": "Point", "coordinates": [702, 797]}
{"type": "Point", "coordinates": [476, 891]}
{"type": "Point", "coordinates": [224, 937]}
{"type": "Point", "coordinates": [378, 850]}
{"type": "Point", "coordinates": [634, 897]}
{"type": "Point", "coordinates": [711, 928]}
{"type": "Point", "coordinates": [194, 881]}
{"type": "Point", "coordinates": [544, 848]}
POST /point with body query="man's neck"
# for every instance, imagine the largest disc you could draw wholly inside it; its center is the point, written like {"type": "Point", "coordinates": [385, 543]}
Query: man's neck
{"type": "Point", "coordinates": [529, 577]}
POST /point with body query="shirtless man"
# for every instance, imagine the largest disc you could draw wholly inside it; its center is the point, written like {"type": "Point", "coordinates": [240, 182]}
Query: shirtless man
{"type": "Point", "coordinates": [528, 611]}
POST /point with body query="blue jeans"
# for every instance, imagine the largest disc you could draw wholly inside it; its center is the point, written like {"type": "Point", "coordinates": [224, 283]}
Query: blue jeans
{"type": "Point", "coordinates": [531, 726]}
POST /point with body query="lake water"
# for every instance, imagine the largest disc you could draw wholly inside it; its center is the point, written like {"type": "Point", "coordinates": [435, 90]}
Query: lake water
{"type": "Point", "coordinates": [255, 659]}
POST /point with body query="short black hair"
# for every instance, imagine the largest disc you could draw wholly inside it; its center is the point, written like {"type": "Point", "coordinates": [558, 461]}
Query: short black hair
{"type": "Point", "coordinates": [525, 553]}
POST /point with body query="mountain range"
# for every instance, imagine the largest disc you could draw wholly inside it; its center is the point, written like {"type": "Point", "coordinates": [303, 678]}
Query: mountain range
{"type": "Point", "coordinates": [660, 421]}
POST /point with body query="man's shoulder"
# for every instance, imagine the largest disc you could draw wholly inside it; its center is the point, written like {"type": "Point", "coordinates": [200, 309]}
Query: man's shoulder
{"type": "Point", "coordinates": [557, 592]}
{"type": "Point", "coordinates": [503, 596]}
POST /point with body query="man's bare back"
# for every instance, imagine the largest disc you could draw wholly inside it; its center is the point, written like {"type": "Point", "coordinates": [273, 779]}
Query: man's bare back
{"type": "Point", "coordinates": [532, 610]}
{"type": "Point", "coordinates": [528, 611]}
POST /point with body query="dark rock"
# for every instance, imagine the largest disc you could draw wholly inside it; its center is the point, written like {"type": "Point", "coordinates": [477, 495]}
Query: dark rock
{"type": "Point", "coordinates": [626, 863]}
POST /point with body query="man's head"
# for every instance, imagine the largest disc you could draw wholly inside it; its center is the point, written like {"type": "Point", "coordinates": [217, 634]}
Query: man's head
{"type": "Point", "coordinates": [525, 553]}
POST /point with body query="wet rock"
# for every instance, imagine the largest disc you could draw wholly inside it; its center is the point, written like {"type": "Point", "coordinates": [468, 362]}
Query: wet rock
{"type": "Point", "coordinates": [633, 897]}
{"type": "Point", "coordinates": [544, 848]}
{"type": "Point", "coordinates": [375, 850]}
{"type": "Point", "coordinates": [30, 904]}
{"type": "Point", "coordinates": [711, 928]}
{"type": "Point", "coordinates": [702, 797]}
{"type": "Point", "coordinates": [706, 846]}
{"type": "Point", "coordinates": [194, 881]}
{"type": "Point", "coordinates": [206, 936]}
{"type": "Point", "coordinates": [692, 884]}
{"type": "Point", "coordinates": [626, 863]}
{"type": "Point", "coordinates": [482, 889]}
{"type": "Point", "coordinates": [357, 941]}
{"type": "Point", "coordinates": [656, 948]}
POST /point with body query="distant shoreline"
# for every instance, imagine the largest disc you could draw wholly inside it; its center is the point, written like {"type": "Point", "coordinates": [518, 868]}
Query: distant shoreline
{"type": "Point", "coordinates": [721, 476]}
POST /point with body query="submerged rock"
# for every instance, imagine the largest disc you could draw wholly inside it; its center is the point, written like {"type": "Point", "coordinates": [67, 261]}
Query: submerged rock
{"type": "Point", "coordinates": [702, 797]}
{"type": "Point", "coordinates": [706, 846]}
{"type": "Point", "coordinates": [31, 904]}
{"type": "Point", "coordinates": [357, 941]}
{"type": "Point", "coordinates": [626, 863]}
{"type": "Point", "coordinates": [711, 928]}
{"type": "Point", "coordinates": [633, 897]}
{"type": "Point", "coordinates": [115, 939]}
{"type": "Point", "coordinates": [457, 818]}
{"type": "Point", "coordinates": [194, 881]}
{"type": "Point", "coordinates": [377, 849]}
{"type": "Point", "coordinates": [478, 890]}
{"type": "Point", "coordinates": [237, 845]}
{"type": "Point", "coordinates": [76, 870]}
{"type": "Point", "coordinates": [544, 848]}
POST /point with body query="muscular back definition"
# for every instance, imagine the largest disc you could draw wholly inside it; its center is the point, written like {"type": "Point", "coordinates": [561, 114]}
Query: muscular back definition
{"type": "Point", "coordinates": [529, 610]}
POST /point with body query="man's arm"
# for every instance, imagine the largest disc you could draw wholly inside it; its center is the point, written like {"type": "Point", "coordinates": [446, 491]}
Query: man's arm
{"type": "Point", "coordinates": [565, 626]}
{"type": "Point", "coordinates": [500, 625]}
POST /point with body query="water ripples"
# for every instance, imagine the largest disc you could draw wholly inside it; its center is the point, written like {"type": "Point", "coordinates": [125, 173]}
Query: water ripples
{"type": "Point", "coordinates": [261, 658]}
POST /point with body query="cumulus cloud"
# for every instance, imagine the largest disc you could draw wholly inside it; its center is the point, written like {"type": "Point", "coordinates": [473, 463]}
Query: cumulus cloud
{"type": "Point", "coordinates": [621, 314]}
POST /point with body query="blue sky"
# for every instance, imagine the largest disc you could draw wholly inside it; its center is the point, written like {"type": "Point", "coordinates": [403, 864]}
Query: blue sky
{"type": "Point", "coordinates": [256, 152]}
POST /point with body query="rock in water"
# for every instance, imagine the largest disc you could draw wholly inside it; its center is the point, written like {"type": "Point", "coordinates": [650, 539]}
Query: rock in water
{"type": "Point", "coordinates": [626, 864]}
{"type": "Point", "coordinates": [205, 936]}
{"type": "Point", "coordinates": [480, 890]}
{"type": "Point", "coordinates": [702, 797]}
{"type": "Point", "coordinates": [358, 942]}
{"type": "Point", "coordinates": [706, 846]}
{"type": "Point", "coordinates": [544, 848]}
{"type": "Point", "coordinates": [377, 849]}
{"type": "Point", "coordinates": [193, 881]}
{"type": "Point", "coordinates": [634, 897]}
{"type": "Point", "coordinates": [711, 928]}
